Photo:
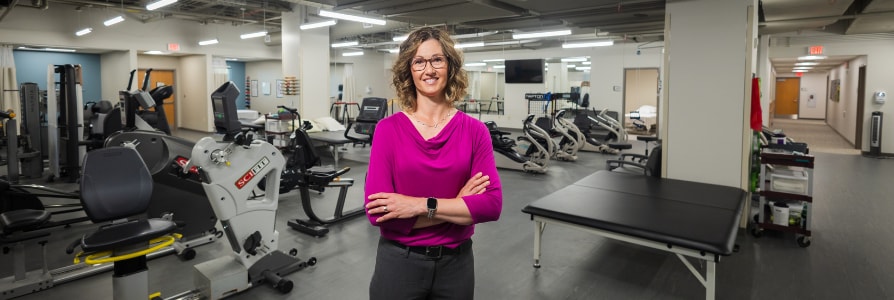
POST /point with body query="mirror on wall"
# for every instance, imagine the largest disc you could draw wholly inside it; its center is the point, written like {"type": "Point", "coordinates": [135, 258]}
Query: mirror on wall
{"type": "Point", "coordinates": [485, 93]}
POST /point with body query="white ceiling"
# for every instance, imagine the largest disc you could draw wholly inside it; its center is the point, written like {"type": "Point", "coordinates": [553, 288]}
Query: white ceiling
{"type": "Point", "coordinates": [627, 21]}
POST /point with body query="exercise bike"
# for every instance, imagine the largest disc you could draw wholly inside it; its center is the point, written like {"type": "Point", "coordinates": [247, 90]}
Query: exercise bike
{"type": "Point", "coordinates": [305, 171]}
{"type": "Point", "coordinates": [591, 144]}
{"type": "Point", "coordinates": [536, 145]}
{"type": "Point", "coordinates": [229, 170]}
{"type": "Point", "coordinates": [572, 139]}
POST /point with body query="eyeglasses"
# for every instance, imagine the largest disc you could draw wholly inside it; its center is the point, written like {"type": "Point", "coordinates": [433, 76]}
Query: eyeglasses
{"type": "Point", "coordinates": [436, 61]}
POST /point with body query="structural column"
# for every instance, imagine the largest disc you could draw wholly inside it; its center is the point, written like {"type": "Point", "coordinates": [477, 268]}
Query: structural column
{"type": "Point", "coordinates": [305, 55]}
{"type": "Point", "coordinates": [709, 62]}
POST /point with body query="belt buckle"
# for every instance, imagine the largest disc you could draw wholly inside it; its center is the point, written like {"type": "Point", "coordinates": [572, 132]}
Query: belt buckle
{"type": "Point", "coordinates": [434, 251]}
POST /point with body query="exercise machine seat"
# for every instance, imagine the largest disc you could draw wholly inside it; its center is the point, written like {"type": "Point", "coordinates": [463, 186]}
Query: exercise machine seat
{"type": "Point", "coordinates": [620, 146]}
{"type": "Point", "coordinates": [23, 219]}
{"type": "Point", "coordinates": [116, 184]}
{"type": "Point", "coordinates": [115, 236]}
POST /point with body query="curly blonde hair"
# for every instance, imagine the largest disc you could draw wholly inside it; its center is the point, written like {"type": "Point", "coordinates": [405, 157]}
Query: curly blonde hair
{"type": "Point", "coordinates": [402, 78]}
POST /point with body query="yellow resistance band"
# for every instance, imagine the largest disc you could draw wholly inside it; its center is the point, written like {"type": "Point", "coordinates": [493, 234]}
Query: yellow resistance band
{"type": "Point", "coordinates": [162, 242]}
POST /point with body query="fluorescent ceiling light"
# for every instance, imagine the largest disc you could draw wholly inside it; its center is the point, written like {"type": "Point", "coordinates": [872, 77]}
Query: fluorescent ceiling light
{"type": "Point", "coordinates": [803, 68]}
{"type": "Point", "coordinates": [504, 43]}
{"type": "Point", "coordinates": [585, 63]}
{"type": "Point", "coordinates": [253, 35]}
{"type": "Point", "coordinates": [473, 35]}
{"type": "Point", "coordinates": [208, 42]}
{"type": "Point", "coordinates": [154, 52]}
{"type": "Point", "coordinates": [492, 60]}
{"type": "Point", "coordinates": [806, 63]}
{"type": "Point", "coordinates": [469, 45]}
{"type": "Point", "coordinates": [232, 59]}
{"type": "Point", "coordinates": [317, 24]}
{"type": "Point", "coordinates": [811, 57]}
{"type": "Point", "coordinates": [529, 35]}
{"type": "Point", "coordinates": [159, 4]}
{"type": "Point", "coordinates": [574, 59]}
{"type": "Point", "coordinates": [589, 44]}
{"type": "Point", "coordinates": [582, 68]}
{"type": "Point", "coordinates": [395, 50]}
{"type": "Point", "coordinates": [571, 66]}
{"type": "Point", "coordinates": [345, 44]}
{"type": "Point", "coordinates": [499, 67]}
{"type": "Point", "coordinates": [475, 64]}
{"type": "Point", "coordinates": [47, 49]}
{"type": "Point", "coordinates": [326, 13]}
{"type": "Point", "coordinates": [358, 53]}
{"type": "Point", "coordinates": [800, 71]}
{"type": "Point", "coordinates": [400, 38]}
{"type": "Point", "coordinates": [84, 31]}
{"type": "Point", "coordinates": [113, 21]}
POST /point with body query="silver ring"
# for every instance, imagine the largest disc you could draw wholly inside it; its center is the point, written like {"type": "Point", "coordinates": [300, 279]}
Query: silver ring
{"type": "Point", "coordinates": [385, 208]}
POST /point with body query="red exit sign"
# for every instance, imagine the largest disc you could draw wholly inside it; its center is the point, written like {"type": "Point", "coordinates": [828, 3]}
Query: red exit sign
{"type": "Point", "coordinates": [173, 47]}
{"type": "Point", "coordinates": [815, 50]}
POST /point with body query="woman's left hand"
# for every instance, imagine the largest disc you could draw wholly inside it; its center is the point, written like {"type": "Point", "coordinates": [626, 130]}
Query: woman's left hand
{"type": "Point", "coordinates": [395, 206]}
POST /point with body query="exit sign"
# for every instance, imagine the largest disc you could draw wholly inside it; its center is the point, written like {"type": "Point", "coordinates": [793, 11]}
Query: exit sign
{"type": "Point", "coordinates": [173, 47]}
{"type": "Point", "coordinates": [815, 50]}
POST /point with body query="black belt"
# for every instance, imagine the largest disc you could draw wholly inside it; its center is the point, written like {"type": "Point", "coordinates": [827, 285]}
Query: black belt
{"type": "Point", "coordinates": [434, 252]}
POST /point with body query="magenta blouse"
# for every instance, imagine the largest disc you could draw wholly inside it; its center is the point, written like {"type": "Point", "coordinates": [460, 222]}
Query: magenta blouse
{"type": "Point", "coordinates": [401, 161]}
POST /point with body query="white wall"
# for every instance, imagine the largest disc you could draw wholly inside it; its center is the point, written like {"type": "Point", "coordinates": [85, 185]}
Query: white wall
{"type": "Point", "coordinates": [813, 84]}
{"type": "Point", "coordinates": [113, 78]}
{"type": "Point", "coordinates": [607, 71]}
{"type": "Point", "coordinates": [878, 60]}
{"type": "Point", "coordinates": [369, 72]}
{"type": "Point", "coordinates": [266, 71]}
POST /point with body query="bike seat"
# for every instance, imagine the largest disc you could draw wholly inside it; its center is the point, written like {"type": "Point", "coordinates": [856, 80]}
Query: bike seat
{"type": "Point", "coordinates": [23, 219]}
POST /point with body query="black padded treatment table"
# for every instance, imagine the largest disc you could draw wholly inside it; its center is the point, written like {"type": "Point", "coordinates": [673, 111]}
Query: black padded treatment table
{"type": "Point", "coordinates": [332, 139]}
{"type": "Point", "coordinates": [690, 219]}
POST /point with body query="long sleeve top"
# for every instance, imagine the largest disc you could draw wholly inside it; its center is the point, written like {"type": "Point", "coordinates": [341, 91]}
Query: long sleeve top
{"type": "Point", "coordinates": [402, 162]}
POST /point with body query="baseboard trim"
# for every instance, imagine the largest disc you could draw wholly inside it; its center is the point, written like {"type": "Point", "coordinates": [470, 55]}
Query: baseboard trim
{"type": "Point", "coordinates": [881, 155]}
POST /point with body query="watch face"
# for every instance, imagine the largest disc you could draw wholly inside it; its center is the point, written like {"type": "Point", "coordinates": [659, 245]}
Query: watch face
{"type": "Point", "coordinates": [432, 203]}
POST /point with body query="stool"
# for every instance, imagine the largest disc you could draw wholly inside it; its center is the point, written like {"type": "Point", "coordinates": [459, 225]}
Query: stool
{"type": "Point", "coordinates": [620, 146]}
{"type": "Point", "coordinates": [648, 139]}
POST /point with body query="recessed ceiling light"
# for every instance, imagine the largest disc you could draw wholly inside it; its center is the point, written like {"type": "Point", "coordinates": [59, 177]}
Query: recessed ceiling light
{"type": "Point", "coordinates": [159, 4]}
{"type": "Point", "coordinates": [469, 45]}
{"type": "Point", "coordinates": [358, 53]}
{"type": "Point", "coordinates": [84, 31]}
{"type": "Point", "coordinates": [208, 42]}
{"type": "Point", "coordinates": [811, 57]}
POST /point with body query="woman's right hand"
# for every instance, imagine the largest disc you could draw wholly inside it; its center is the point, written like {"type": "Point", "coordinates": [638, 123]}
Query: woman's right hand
{"type": "Point", "coordinates": [476, 185]}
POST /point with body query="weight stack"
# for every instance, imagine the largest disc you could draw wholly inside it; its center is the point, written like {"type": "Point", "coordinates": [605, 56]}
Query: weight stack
{"type": "Point", "coordinates": [875, 134]}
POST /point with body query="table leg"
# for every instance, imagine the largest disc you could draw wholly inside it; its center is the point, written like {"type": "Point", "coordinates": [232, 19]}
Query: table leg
{"type": "Point", "coordinates": [538, 232]}
{"type": "Point", "coordinates": [710, 280]}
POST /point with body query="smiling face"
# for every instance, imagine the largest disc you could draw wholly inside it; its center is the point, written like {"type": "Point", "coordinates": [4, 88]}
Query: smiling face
{"type": "Point", "coordinates": [430, 82]}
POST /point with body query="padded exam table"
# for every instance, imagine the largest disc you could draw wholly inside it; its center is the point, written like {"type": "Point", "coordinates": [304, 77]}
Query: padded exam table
{"type": "Point", "coordinates": [697, 220]}
{"type": "Point", "coordinates": [333, 139]}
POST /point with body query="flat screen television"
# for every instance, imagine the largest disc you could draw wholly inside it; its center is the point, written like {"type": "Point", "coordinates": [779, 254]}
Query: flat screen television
{"type": "Point", "coordinates": [524, 71]}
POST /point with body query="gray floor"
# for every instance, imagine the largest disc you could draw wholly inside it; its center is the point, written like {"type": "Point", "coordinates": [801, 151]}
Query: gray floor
{"type": "Point", "coordinates": [850, 256]}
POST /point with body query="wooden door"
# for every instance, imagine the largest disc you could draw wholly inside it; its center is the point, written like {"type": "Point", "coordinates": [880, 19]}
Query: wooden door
{"type": "Point", "coordinates": [787, 93]}
{"type": "Point", "coordinates": [160, 78]}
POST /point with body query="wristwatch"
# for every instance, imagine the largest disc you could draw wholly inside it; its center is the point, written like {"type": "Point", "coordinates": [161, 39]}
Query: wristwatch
{"type": "Point", "coordinates": [432, 206]}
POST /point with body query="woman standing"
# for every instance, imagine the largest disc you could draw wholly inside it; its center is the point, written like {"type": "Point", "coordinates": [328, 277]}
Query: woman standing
{"type": "Point", "coordinates": [431, 177]}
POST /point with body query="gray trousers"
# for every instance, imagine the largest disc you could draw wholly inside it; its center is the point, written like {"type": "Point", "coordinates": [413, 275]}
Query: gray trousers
{"type": "Point", "coordinates": [401, 274]}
